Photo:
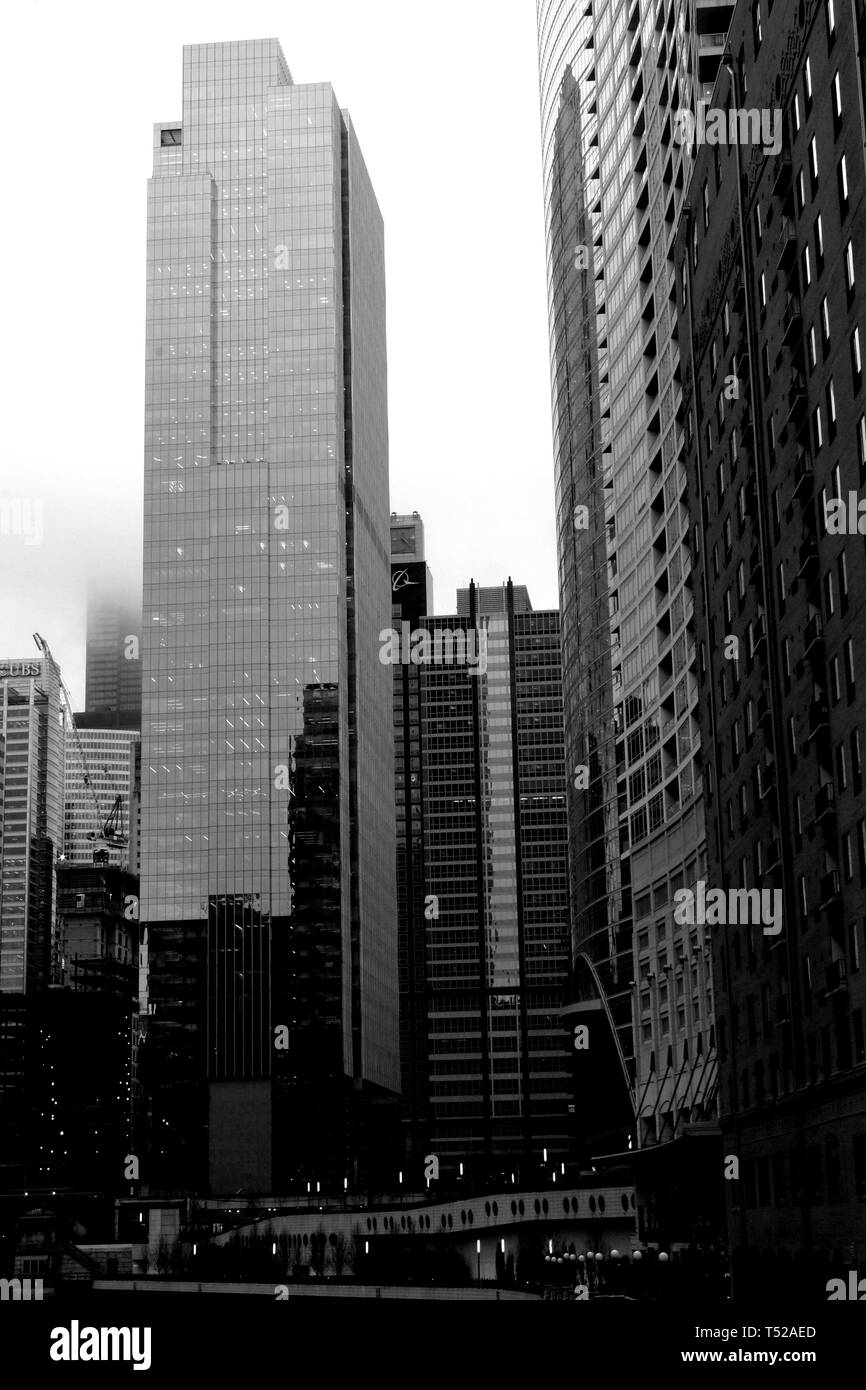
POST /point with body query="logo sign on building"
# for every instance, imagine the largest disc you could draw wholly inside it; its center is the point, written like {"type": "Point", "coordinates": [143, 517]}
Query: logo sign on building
{"type": "Point", "coordinates": [8, 669]}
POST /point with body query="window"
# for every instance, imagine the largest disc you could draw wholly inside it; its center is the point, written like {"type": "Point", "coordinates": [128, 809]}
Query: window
{"type": "Point", "coordinates": [842, 573]}
{"type": "Point", "coordinates": [861, 441]}
{"type": "Point", "coordinates": [853, 948]}
{"type": "Point", "coordinates": [830, 9]}
{"type": "Point", "coordinates": [759, 228]}
{"type": "Point", "coordinates": [757, 28]}
{"type": "Point", "coordinates": [806, 260]}
{"type": "Point", "coordinates": [813, 163]}
{"type": "Point", "coordinates": [782, 589]}
{"type": "Point", "coordinates": [705, 196]}
{"type": "Point", "coordinates": [837, 104]}
{"type": "Point", "coordinates": [835, 688]}
{"type": "Point", "coordinates": [829, 605]}
{"type": "Point", "coordinates": [817, 429]}
{"type": "Point", "coordinates": [849, 268]}
{"type": "Point", "coordinates": [763, 289]}
{"type": "Point", "coordinates": [807, 84]}
{"type": "Point", "coordinates": [856, 361]}
{"type": "Point", "coordinates": [801, 194]}
{"type": "Point", "coordinates": [726, 317]}
{"type": "Point", "coordinates": [830, 394]}
{"type": "Point", "coordinates": [842, 181]}
{"type": "Point", "coordinates": [819, 244]}
{"type": "Point", "coordinates": [849, 666]}
{"type": "Point", "coordinates": [841, 768]}
{"type": "Point", "coordinates": [825, 323]}
{"type": "Point", "coordinates": [795, 113]}
{"type": "Point", "coordinates": [856, 765]}
{"type": "Point", "coordinates": [714, 358]}
{"type": "Point", "coordinates": [813, 350]}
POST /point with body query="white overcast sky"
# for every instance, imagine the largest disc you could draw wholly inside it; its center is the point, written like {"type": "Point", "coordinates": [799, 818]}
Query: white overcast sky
{"type": "Point", "coordinates": [444, 99]}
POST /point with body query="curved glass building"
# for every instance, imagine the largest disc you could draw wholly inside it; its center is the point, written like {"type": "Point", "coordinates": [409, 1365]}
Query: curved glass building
{"type": "Point", "coordinates": [616, 79]}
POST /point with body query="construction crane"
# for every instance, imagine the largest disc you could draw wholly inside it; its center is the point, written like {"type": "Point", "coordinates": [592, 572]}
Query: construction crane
{"type": "Point", "coordinates": [109, 831]}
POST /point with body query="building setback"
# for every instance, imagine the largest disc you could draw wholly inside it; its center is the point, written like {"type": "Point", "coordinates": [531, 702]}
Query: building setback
{"type": "Point", "coordinates": [267, 814]}
{"type": "Point", "coordinates": [771, 270]}
{"type": "Point", "coordinates": [495, 894]}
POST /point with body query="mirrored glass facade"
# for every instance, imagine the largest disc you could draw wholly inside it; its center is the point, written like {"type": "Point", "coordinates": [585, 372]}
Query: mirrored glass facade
{"type": "Point", "coordinates": [267, 828]}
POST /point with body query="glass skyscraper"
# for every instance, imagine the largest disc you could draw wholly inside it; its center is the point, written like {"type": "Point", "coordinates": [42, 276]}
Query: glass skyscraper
{"type": "Point", "coordinates": [267, 816]}
{"type": "Point", "coordinates": [31, 812]}
{"type": "Point", "coordinates": [614, 77]}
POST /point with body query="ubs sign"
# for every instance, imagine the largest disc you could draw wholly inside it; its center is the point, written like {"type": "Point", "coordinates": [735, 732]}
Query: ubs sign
{"type": "Point", "coordinates": [19, 668]}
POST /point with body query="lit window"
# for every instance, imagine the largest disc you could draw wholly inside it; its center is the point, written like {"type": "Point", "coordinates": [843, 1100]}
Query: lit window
{"type": "Point", "coordinates": [843, 184]}
{"type": "Point", "coordinates": [813, 160]}
{"type": "Point", "coordinates": [837, 98]}
{"type": "Point", "coordinates": [849, 266]}
{"type": "Point", "coordinates": [807, 82]}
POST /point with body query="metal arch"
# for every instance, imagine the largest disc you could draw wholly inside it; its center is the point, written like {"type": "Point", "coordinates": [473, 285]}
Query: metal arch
{"type": "Point", "coordinates": [581, 955]}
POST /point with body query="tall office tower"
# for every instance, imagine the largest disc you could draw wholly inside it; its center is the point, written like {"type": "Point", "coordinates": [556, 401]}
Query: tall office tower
{"type": "Point", "coordinates": [771, 308]}
{"type": "Point", "coordinates": [109, 755]}
{"type": "Point", "coordinates": [411, 598]}
{"type": "Point", "coordinates": [495, 886]}
{"type": "Point", "coordinates": [32, 813]}
{"type": "Point", "coordinates": [615, 79]}
{"type": "Point", "coordinates": [113, 664]}
{"type": "Point", "coordinates": [267, 812]}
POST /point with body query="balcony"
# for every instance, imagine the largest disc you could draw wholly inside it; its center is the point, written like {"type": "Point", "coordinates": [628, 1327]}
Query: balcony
{"type": "Point", "coordinates": [797, 401]}
{"type": "Point", "coordinates": [808, 558]}
{"type": "Point", "coordinates": [819, 717]}
{"type": "Point", "coordinates": [836, 978]}
{"type": "Point", "coordinates": [766, 781]}
{"type": "Point", "coordinates": [787, 246]}
{"type": "Point", "coordinates": [813, 635]}
{"type": "Point", "coordinates": [781, 174]}
{"type": "Point", "coordinates": [825, 801]}
{"type": "Point", "coordinates": [830, 889]}
{"type": "Point", "coordinates": [765, 712]}
{"type": "Point", "coordinates": [792, 323]}
{"type": "Point", "coordinates": [803, 477]}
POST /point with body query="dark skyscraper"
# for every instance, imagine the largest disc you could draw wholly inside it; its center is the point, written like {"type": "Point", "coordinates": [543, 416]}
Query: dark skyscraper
{"type": "Point", "coordinates": [267, 813]}
{"type": "Point", "coordinates": [494, 900]}
{"type": "Point", "coordinates": [770, 277]}
{"type": "Point", "coordinates": [412, 598]}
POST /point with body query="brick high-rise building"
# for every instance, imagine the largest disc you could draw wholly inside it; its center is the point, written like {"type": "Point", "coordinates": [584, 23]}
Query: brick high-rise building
{"type": "Point", "coordinates": [770, 290]}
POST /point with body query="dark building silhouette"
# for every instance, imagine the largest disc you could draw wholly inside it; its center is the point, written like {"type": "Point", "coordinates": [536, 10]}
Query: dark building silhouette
{"type": "Point", "coordinates": [771, 269]}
